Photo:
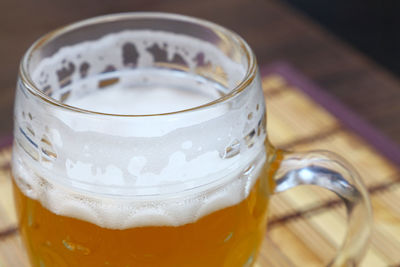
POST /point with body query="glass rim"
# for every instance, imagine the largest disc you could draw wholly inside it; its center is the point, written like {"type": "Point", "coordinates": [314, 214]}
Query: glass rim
{"type": "Point", "coordinates": [48, 37]}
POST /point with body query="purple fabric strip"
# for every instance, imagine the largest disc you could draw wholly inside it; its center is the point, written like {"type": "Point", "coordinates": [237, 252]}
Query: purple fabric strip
{"type": "Point", "coordinates": [348, 118]}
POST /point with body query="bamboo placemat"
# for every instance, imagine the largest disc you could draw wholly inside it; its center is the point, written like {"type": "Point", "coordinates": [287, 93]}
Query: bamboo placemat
{"type": "Point", "coordinates": [307, 224]}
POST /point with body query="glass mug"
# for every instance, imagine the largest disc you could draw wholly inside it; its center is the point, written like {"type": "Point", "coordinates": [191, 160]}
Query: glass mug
{"type": "Point", "coordinates": [140, 140]}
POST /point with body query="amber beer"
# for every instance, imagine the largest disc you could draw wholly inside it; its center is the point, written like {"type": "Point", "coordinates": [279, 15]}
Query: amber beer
{"type": "Point", "coordinates": [139, 141]}
{"type": "Point", "coordinates": [228, 237]}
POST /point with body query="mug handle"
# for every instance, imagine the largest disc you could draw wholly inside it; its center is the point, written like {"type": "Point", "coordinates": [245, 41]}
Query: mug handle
{"type": "Point", "coordinates": [332, 172]}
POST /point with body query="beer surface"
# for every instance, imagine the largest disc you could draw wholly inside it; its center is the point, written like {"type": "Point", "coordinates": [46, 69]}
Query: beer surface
{"type": "Point", "coordinates": [149, 91]}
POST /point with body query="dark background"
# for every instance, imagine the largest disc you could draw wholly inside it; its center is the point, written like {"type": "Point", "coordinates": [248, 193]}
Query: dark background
{"type": "Point", "coordinates": [372, 26]}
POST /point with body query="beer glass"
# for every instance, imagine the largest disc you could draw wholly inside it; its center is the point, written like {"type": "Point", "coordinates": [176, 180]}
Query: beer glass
{"type": "Point", "coordinates": [140, 140]}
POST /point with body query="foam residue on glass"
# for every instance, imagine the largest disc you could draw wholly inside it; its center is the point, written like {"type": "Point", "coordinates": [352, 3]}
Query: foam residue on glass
{"type": "Point", "coordinates": [120, 172]}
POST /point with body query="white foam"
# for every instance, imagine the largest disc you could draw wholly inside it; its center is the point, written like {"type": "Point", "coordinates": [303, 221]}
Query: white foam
{"type": "Point", "coordinates": [121, 172]}
{"type": "Point", "coordinates": [162, 101]}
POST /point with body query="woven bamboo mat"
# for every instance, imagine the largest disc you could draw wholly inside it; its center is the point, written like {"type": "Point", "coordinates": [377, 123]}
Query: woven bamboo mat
{"type": "Point", "coordinates": [307, 224]}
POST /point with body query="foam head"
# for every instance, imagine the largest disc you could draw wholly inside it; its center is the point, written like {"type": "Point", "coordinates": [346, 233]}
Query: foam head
{"type": "Point", "coordinates": [139, 168]}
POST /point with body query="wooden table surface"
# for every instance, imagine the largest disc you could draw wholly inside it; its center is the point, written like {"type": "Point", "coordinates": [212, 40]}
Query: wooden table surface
{"type": "Point", "coordinates": [274, 30]}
